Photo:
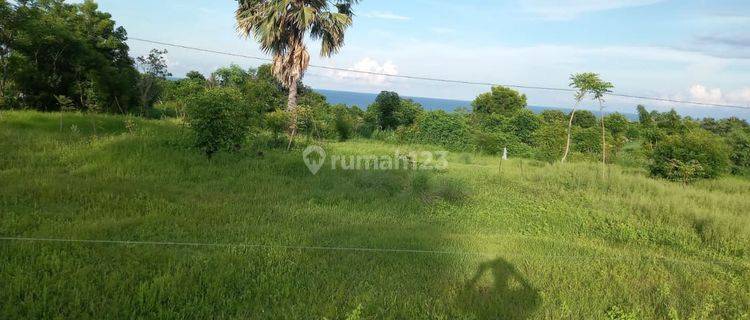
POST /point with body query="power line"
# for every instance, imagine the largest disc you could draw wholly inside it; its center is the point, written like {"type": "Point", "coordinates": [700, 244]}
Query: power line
{"type": "Point", "coordinates": [411, 77]}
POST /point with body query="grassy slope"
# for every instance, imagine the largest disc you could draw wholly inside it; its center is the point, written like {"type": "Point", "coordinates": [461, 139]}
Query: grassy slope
{"type": "Point", "coordinates": [584, 247]}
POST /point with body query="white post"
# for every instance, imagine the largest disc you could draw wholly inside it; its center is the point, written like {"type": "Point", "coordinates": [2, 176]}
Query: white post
{"type": "Point", "coordinates": [505, 153]}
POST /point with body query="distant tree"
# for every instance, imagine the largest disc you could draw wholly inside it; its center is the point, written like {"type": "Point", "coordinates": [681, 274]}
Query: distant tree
{"type": "Point", "coordinates": [617, 123]}
{"type": "Point", "coordinates": [408, 112]}
{"type": "Point", "coordinates": [697, 154]}
{"type": "Point", "coordinates": [552, 116]}
{"type": "Point", "coordinates": [232, 76]}
{"type": "Point", "coordinates": [500, 100]}
{"type": "Point", "coordinates": [153, 69]}
{"type": "Point", "coordinates": [739, 142]}
{"type": "Point", "coordinates": [583, 83]}
{"type": "Point", "coordinates": [644, 117]}
{"type": "Point", "coordinates": [584, 119]}
{"type": "Point", "coordinates": [386, 106]}
{"type": "Point", "coordinates": [195, 76]}
{"type": "Point", "coordinates": [524, 124]}
{"type": "Point", "coordinates": [281, 27]}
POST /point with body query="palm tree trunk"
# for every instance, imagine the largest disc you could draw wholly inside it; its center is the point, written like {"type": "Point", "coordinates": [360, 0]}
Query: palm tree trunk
{"type": "Point", "coordinates": [570, 130]}
{"type": "Point", "coordinates": [292, 109]}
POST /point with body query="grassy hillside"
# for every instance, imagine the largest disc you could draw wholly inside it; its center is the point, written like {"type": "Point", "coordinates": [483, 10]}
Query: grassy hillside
{"type": "Point", "coordinates": [482, 239]}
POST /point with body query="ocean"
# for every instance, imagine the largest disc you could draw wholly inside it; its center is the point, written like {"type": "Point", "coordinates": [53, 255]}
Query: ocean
{"type": "Point", "coordinates": [363, 100]}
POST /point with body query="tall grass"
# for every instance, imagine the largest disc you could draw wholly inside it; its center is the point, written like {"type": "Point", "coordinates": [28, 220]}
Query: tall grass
{"type": "Point", "coordinates": [514, 239]}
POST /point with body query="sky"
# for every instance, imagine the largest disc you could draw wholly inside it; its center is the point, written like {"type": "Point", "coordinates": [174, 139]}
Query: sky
{"type": "Point", "coordinates": [695, 50]}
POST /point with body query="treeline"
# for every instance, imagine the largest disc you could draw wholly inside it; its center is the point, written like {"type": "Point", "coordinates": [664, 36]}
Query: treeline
{"type": "Point", "coordinates": [63, 57]}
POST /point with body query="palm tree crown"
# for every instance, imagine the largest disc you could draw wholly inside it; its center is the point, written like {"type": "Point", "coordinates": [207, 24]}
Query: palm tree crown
{"type": "Point", "coordinates": [281, 26]}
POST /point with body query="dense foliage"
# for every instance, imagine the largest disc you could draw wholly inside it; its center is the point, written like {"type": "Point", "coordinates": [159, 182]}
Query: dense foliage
{"type": "Point", "coordinates": [500, 100]}
{"type": "Point", "coordinates": [694, 155]}
{"type": "Point", "coordinates": [52, 49]}
{"type": "Point", "coordinates": [220, 120]}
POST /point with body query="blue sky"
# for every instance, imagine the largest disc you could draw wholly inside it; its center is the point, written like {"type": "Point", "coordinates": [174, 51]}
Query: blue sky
{"type": "Point", "coordinates": [697, 50]}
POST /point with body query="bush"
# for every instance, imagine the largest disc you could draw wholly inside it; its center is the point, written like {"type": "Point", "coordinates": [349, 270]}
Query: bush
{"type": "Point", "coordinates": [698, 154]}
{"type": "Point", "coordinates": [739, 142]}
{"type": "Point", "coordinates": [549, 141]}
{"type": "Point", "coordinates": [500, 100]}
{"type": "Point", "coordinates": [219, 119]}
{"type": "Point", "coordinates": [584, 119]}
{"type": "Point", "coordinates": [450, 130]}
{"type": "Point", "coordinates": [494, 143]}
{"type": "Point", "coordinates": [587, 140]}
{"type": "Point", "coordinates": [344, 125]}
{"type": "Point", "coordinates": [277, 122]}
{"type": "Point", "coordinates": [524, 124]}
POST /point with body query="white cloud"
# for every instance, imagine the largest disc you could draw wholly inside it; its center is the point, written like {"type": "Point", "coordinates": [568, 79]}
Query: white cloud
{"type": "Point", "coordinates": [368, 65]}
{"type": "Point", "coordinates": [701, 93]}
{"type": "Point", "coordinates": [571, 9]}
{"type": "Point", "coordinates": [386, 15]}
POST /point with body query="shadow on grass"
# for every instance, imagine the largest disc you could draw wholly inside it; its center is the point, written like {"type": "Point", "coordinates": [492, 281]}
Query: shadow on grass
{"type": "Point", "coordinates": [510, 295]}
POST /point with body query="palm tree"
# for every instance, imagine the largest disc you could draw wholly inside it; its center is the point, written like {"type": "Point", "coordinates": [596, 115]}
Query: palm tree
{"type": "Point", "coordinates": [281, 26]}
{"type": "Point", "coordinates": [582, 82]}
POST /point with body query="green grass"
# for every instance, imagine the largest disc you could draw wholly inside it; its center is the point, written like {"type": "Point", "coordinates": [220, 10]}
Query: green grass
{"type": "Point", "coordinates": [517, 239]}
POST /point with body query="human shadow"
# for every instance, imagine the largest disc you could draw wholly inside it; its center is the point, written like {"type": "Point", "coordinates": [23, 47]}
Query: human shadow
{"type": "Point", "coordinates": [508, 296]}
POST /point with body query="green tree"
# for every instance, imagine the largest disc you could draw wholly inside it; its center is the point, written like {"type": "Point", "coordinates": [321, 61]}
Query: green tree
{"type": "Point", "coordinates": [584, 119]}
{"type": "Point", "coordinates": [644, 117]}
{"type": "Point", "coordinates": [552, 116]}
{"type": "Point", "coordinates": [617, 123]}
{"type": "Point", "coordinates": [281, 27]}
{"type": "Point", "coordinates": [195, 76]}
{"type": "Point", "coordinates": [697, 154]}
{"type": "Point", "coordinates": [583, 83]}
{"type": "Point", "coordinates": [53, 49]}
{"type": "Point", "coordinates": [500, 100]}
{"type": "Point", "coordinates": [154, 71]}
{"type": "Point", "coordinates": [232, 76]}
{"type": "Point", "coordinates": [739, 142]}
{"type": "Point", "coordinates": [220, 120]}
{"type": "Point", "coordinates": [386, 106]}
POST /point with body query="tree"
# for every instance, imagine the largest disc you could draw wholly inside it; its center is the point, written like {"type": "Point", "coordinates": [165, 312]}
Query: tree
{"type": "Point", "coordinates": [57, 49]}
{"type": "Point", "coordinates": [232, 76]}
{"type": "Point", "coordinates": [617, 123]}
{"type": "Point", "coordinates": [584, 119]}
{"type": "Point", "coordinates": [386, 107]}
{"type": "Point", "coordinates": [281, 27]}
{"type": "Point", "coordinates": [552, 116]}
{"type": "Point", "coordinates": [583, 83]}
{"type": "Point", "coordinates": [195, 76]}
{"type": "Point", "coordinates": [644, 117]}
{"type": "Point", "coordinates": [697, 154]}
{"type": "Point", "coordinates": [599, 89]}
{"type": "Point", "coordinates": [153, 69]}
{"type": "Point", "coordinates": [500, 100]}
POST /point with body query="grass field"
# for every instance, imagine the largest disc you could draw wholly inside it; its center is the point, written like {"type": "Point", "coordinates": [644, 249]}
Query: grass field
{"type": "Point", "coordinates": [518, 239]}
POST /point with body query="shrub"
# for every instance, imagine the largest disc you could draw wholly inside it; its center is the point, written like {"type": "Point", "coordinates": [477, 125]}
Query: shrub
{"type": "Point", "coordinates": [219, 120]}
{"type": "Point", "coordinates": [739, 142]}
{"type": "Point", "coordinates": [695, 155]}
{"type": "Point", "coordinates": [587, 140]}
{"type": "Point", "coordinates": [495, 142]}
{"type": "Point", "coordinates": [553, 117]}
{"type": "Point", "coordinates": [524, 124]}
{"type": "Point", "coordinates": [450, 130]}
{"type": "Point", "coordinates": [500, 100]}
{"type": "Point", "coordinates": [277, 122]}
{"type": "Point", "coordinates": [344, 125]}
{"type": "Point", "coordinates": [584, 119]}
{"type": "Point", "coordinates": [549, 141]}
